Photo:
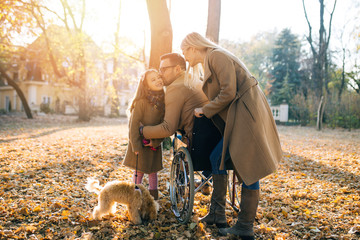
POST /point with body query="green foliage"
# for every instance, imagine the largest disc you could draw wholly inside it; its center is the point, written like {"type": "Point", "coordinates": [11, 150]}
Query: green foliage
{"type": "Point", "coordinates": [299, 109]}
{"type": "Point", "coordinates": [256, 55]}
{"type": "Point", "coordinates": [285, 72]}
{"type": "Point", "coordinates": [167, 143]}
{"type": "Point", "coordinates": [45, 108]}
{"type": "Point", "coordinates": [344, 113]}
{"type": "Point", "coordinates": [354, 75]}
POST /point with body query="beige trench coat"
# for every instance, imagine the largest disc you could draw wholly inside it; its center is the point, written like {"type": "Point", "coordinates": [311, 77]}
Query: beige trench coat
{"type": "Point", "coordinates": [250, 130]}
{"type": "Point", "coordinates": [180, 102]}
{"type": "Point", "coordinates": [149, 161]}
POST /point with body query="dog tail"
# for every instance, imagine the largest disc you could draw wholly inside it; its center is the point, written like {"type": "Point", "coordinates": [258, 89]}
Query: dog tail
{"type": "Point", "coordinates": [93, 185]}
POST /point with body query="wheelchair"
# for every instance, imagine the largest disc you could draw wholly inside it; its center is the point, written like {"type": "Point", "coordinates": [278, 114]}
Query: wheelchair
{"type": "Point", "coordinates": [184, 171]}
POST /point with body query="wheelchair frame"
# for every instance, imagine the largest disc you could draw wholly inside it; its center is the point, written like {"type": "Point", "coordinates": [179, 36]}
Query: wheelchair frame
{"type": "Point", "coordinates": [182, 187]}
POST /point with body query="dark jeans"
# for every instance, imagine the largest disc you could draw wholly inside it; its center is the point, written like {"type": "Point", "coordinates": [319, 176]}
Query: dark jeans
{"type": "Point", "coordinates": [215, 160]}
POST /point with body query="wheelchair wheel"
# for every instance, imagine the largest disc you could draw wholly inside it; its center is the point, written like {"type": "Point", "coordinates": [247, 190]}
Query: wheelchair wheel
{"type": "Point", "coordinates": [182, 185]}
{"type": "Point", "coordinates": [234, 188]}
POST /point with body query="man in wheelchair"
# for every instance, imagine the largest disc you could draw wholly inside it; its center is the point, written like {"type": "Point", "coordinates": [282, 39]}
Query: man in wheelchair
{"type": "Point", "coordinates": [180, 102]}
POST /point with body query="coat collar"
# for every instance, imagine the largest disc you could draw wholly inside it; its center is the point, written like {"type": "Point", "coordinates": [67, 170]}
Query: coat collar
{"type": "Point", "coordinates": [180, 79]}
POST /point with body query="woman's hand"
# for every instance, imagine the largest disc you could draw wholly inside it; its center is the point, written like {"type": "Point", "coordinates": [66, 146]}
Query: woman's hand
{"type": "Point", "coordinates": [136, 153]}
{"type": "Point", "coordinates": [198, 112]}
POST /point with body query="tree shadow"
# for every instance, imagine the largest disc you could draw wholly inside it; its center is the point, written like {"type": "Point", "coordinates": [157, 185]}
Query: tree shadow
{"type": "Point", "coordinates": [61, 128]}
{"type": "Point", "coordinates": [321, 171]}
{"type": "Point", "coordinates": [36, 135]}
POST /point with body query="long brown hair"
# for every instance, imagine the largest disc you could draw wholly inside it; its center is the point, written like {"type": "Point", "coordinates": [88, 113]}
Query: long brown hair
{"type": "Point", "coordinates": [142, 90]}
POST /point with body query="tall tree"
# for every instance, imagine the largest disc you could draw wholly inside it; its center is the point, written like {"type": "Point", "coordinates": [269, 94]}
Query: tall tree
{"type": "Point", "coordinates": [84, 113]}
{"type": "Point", "coordinates": [74, 26]}
{"type": "Point", "coordinates": [161, 31]}
{"type": "Point", "coordinates": [15, 19]}
{"type": "Point", "coordinates": [320, 56]}
{"type": "Point", "coordinates": [11, 82]}
{"type": "Point", "coordinates": [213, 22]}
{"type": "Point", "coordinates": [256, 54]}
{"type": "Point", "coordinates": [285, 71]}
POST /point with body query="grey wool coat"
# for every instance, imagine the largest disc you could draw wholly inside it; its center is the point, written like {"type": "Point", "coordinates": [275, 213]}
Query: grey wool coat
{"type": "Point", "coordinates": [250, 131]}
{"type": "Point", "coordinates": [149, 161]}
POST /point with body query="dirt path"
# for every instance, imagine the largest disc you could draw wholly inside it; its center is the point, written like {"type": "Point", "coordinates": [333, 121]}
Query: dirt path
{"type": "Point", "coordinates": [44, 164]}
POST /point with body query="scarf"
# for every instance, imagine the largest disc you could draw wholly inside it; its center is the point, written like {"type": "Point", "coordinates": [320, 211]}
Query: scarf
{"type": "Point", "coordinates": [156, 98]}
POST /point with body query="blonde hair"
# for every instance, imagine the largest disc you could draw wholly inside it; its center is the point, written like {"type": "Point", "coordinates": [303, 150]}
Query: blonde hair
{"type": "Point", "coordinates": [201, 43]}
{"type": "Point", "coordinates": [142, 90]}
{"type": "Point", "coordinates": [194, 74]}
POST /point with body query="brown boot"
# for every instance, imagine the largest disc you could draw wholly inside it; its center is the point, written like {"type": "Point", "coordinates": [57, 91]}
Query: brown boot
{"type": "Point", "coordinates": [216, 213]}
{"type": "Point", "coordinates": [248, 207]}
{"type": "Point", "coordinates": [154, 193]}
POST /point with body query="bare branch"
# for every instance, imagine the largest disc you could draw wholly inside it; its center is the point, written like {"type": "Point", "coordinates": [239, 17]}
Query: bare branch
{"type": "Point", "coordinates": [309, 38]}
{"type": "Point", "coordinates": [82, 14]}
{"type": "Point", "coordinates": [330, 22]}
{"type": "Point", "coordinates": [67, 7]}
{"type": "Point", "coordinates": [129, 56]}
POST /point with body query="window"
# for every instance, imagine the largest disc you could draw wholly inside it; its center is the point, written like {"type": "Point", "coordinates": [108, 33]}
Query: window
{"type": "Point", "coordinates": [46, 100]}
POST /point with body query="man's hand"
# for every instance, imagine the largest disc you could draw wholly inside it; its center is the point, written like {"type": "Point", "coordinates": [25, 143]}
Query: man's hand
{"type": "Point", "coordinates": [198, 112]}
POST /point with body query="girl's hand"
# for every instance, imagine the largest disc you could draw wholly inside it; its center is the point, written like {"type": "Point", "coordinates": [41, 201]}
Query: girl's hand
{"type": "Point", "coordinates": [136, 153]}
{"type": "Point", "coordinates": [198, 112]}
{"type": "Point", "coordinates": [149, 144]}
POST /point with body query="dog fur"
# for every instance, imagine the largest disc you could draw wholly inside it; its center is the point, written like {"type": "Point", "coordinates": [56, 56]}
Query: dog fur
{"type": "Point", "coordinates": [141, 205]}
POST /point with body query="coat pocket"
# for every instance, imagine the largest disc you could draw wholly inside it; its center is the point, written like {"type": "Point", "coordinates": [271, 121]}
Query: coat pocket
{"type": "Point", "coordinates": [248, 110]}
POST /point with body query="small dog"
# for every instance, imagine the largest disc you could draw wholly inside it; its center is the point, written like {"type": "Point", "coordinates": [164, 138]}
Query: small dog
{"type": "Point", "coordinates": [141, 205]}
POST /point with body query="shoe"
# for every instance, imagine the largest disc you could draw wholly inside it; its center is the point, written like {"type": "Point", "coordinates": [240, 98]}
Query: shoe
{"type": "Point", "coordinates": [154, 193]}
{"type": "Point", "coordinates": [246, 217]}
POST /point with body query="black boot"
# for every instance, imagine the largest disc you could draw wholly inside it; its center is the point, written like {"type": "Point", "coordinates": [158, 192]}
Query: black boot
{"type": "Point", "coordinates": [216, 213]}
{"type": "Point", "coordinates": [154, 193]}
{"type": "Point", "coordinates": [248, 207]}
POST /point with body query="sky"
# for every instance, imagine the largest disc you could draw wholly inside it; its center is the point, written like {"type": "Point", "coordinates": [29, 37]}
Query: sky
{"type": "Point", "coordinates": [240, 19]}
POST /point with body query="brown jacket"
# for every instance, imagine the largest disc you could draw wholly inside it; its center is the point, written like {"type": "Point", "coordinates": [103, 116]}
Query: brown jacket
{"type": "Point", "coordinates": [180, 102]}
{"type": "Point", "coordinates": [250, 130]}
{"type": "Point", "coordinates": [149, 161]}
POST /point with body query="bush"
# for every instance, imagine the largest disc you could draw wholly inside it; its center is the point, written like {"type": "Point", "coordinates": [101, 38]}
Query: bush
{"type": "Point", "coordinates": [344, 113]}
{"type": "Point", "coordinates": [45, 108]}
{"type": "Point", "coordinates": [299, 109]}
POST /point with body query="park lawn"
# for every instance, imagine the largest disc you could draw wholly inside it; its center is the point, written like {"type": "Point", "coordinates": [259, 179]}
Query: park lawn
{"type": "Point", "coordinates": [44, 164]}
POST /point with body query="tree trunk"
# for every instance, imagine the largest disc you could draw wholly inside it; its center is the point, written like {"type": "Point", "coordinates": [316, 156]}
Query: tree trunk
{"type": "Point", "coordinates": [320, 114]}
{"type": "Point", "coordinates": [84, 111]}
{"type": "Point", "coordinates": [161, 31]}
{"type": "Point", "coordinates": [320, 57]}
{"type": "Point", "coordinates": [213, 22]}
{"type": "Point", "coordinates": [18, 91]}
{"type": "Point", "coordinates": [342, 85]}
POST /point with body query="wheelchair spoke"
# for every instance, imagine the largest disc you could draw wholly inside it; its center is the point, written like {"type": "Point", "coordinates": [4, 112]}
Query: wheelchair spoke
{"type": "Point", "coordinates": [182, 186]}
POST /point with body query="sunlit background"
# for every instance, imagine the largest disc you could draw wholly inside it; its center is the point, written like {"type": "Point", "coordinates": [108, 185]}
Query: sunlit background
{"type": "Point", "coordinates": [90, 67]}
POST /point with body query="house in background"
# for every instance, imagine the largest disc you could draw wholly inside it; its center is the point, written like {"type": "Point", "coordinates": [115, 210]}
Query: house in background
{"type": "Point", "coordinates": [34, 74]}
{"type": "Point", "coordinates": [41, 93]}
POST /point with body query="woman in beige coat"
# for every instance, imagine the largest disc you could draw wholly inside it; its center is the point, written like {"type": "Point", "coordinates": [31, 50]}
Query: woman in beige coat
{"type": "Point", "coordinates": [147, 108]}
{"type": "Point", "coordinates": [240, 110]}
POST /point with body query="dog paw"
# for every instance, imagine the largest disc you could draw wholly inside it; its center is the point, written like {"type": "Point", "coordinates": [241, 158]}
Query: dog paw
{"type": "Point", "coordinates": [138, 222]}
